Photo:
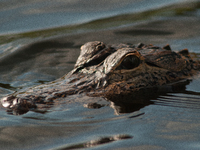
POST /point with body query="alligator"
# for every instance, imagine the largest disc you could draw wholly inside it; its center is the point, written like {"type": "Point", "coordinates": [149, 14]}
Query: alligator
{"type": "Point", "coordinates": [111, 72]}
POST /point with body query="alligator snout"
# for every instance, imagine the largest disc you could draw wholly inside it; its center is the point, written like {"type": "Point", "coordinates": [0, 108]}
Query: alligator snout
{"type": "Point", "coordinates": [17, 105]}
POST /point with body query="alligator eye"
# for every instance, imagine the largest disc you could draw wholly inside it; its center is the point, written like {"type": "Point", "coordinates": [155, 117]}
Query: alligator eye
{"type": "Point", "coordinates": [129, 62]}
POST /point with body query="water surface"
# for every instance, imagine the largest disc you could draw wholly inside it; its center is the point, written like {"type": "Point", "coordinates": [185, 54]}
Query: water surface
{"type": "Point", "coordinates": [40, 42]}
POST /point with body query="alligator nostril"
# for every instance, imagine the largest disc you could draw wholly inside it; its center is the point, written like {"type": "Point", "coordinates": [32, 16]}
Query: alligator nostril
{"type": "Point", "coordinates": [4, 102]}
{"type": "Point", "coordinates": [7, 101]}
{"type": "Point", "coordinates": [15, 101]}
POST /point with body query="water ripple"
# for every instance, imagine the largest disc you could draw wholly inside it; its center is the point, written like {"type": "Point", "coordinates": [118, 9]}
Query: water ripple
{"type": "Point", "coordinates": [181, 100]}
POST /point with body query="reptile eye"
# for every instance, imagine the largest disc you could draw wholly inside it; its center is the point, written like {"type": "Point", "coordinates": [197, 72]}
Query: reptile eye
{"type": "Point", "coordinates": [129, 62]}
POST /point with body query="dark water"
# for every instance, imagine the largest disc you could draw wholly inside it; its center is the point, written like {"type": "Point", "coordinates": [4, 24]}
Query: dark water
{"type": "Point", "coordinates": [39, 42]}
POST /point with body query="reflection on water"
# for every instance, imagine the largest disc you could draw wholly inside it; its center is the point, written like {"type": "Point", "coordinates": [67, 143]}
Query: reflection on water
{"type": "Point", "coordinates": [94, 143]}
{"type": "Point", "coordinates": [17, 16]}
{"type": "Point", "coordinates": [169, 117]}
{"type": "Point", "coordinates": [164, 118]}
{"type": "Point", "coordinates": [179, 100]}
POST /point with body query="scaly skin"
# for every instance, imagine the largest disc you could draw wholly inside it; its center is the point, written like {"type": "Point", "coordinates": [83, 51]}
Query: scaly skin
{"type": "Point", "coordinates": [110, 72]}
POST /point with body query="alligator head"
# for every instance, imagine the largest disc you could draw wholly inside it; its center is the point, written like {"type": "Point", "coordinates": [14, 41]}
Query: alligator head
{"type": "Point", "coordinates": [110, 72]}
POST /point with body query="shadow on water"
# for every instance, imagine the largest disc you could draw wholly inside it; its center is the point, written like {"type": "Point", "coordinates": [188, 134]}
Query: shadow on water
{"type": "Point", "coordinates": [94, 143]}
{"type": "Point", "coordinates": [174, 95]}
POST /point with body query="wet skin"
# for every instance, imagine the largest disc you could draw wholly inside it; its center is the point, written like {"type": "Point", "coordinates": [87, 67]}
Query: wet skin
{"type": "Point", "coordinates": [110, 72]}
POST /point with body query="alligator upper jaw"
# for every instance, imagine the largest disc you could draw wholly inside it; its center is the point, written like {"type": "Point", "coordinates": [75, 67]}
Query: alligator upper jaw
{"type": "Point", "coordinates": [17, 105]}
